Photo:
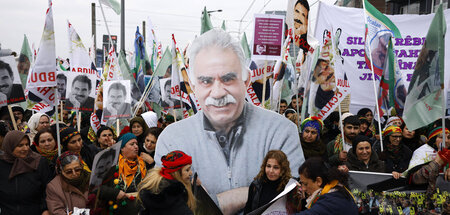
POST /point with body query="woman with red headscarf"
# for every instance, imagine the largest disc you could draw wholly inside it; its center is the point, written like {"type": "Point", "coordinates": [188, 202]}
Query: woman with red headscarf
{"type": "Point", "coordinates": [167, 190]}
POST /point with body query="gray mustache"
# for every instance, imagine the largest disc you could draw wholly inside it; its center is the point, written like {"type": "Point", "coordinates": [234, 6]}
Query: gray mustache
{"type": "Point", "coordinates": [220, 102]}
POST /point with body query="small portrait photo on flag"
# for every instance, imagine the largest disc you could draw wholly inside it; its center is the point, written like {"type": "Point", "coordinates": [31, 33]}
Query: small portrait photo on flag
{"type": "Point", "coordinates": [61, 83]}
{"type": "Point", "coordinates": [325, 80]}
{"type": "Point", "coordinates": [116, 99]}
{"type": "Point", "coordinates": [11, 90]}
{"type": "Point", "coordinates": [80, 91]}
{"type": "Point", "coordinates": [379, 45]}
{"type": "Point", "coordinates": [166, 101]}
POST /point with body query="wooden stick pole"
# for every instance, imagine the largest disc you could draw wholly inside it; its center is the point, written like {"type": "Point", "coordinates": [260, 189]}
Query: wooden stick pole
{"type": "Point", "coordinates": [13, 119]}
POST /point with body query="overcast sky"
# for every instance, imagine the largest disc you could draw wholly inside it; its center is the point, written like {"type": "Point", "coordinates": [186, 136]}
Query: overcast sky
{"type": "Point", "coordinates": [182, 18]}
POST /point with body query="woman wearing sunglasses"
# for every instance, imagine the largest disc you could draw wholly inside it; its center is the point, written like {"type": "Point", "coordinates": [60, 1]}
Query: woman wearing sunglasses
{"type": "Point", "coordinates": [69, 188]}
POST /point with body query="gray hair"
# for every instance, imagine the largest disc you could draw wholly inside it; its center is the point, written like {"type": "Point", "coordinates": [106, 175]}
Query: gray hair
{"type": "Point", "coordinates": [220, 39]}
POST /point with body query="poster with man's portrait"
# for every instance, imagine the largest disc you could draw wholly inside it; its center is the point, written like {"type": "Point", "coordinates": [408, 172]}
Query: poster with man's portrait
{"type": "Point", "coordinates": [116, 99]}
{"type": "Point", "coordinates": [155, 92]}
{"type": "Point", "coordinates": [11, 90]}
{"type": "Point", "coordinates": [61, 84]}
{"type": "Point", "coordinates": [103, 161]}
{"type": "Point", "coordinates": [297, 15]}
{"type": "Point", "coordinates": [166, 101]}
{"type": "Point", "coordinates": [80, 90]}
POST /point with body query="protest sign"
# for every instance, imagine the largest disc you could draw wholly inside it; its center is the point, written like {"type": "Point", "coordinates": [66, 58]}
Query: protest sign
{"type": "Point", "coordinates": [167, 102]}
{"type": "Point", "coordinates": [116, 99]}
{"type": "Point", "coordinates": [351, 46]}
{"type": "Point", "coordinates": [103, 161]}
{"type": "Point", "coordinates": [82, 77]}
{"type": "Point", "coordinates": [268, 37]}
{"type": "Point", "coordinates": [11, 90]}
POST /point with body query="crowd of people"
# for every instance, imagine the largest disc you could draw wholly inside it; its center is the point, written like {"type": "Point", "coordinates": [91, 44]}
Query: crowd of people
{"type": "Point", "coordinates": [244, 156]}
{"type": "Point", "coordinates": [38, 181]}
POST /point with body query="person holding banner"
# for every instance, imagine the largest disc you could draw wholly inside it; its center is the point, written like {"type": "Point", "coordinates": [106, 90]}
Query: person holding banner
{"type": "Point", "coordinates": [396, 156]}
{"type": "Point", "coordinates": [361, 157]}
{"type": "Point", "coordinates": [273, 176]}
{"type": "Point", "coordinates": [428, 160]}
{"type": "Point", "coordinates": [120, 184]}
{"type": "Point", "coordinates": [69, 189]}
{"type": "Point", "coordinates": [230, 135]}
{"type": "Point", "coordinates": [167, 190]}
{"type": "Point", "coordinates": [327, 189]}
{"type": "Point", "coordinates": [23, 177]}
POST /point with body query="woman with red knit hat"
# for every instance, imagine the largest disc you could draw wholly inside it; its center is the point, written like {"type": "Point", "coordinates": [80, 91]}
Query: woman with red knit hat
{"type": "Point", "coordinates": [167, 190]}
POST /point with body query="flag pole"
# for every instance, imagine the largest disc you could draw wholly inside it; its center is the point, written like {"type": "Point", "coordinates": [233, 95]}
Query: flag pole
{"type": "Point", "coordinates": [263, 100]}
{"type": "Point", "coordinates": [117, 126]}
{"type": "Point", "coordinates": [13, 119]}
{"type": "Point", "coordinates": [374, 83]}
{"type": "Point", "coordinates": [78, 120]}
{"type": "Point", "coordinates": [106, 24]}
{"type": "Point", "coordinates": [57, 124]}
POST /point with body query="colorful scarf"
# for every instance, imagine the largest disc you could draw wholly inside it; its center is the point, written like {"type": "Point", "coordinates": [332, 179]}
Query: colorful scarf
{"type": "Point", "coordinates": [50, 155]}
{"type": "Point", "coordinates": [316, 195]}
{"type": "Point", "coordinates": [338, 144]}
{"type": "Point", "coordinates": [128, 169]}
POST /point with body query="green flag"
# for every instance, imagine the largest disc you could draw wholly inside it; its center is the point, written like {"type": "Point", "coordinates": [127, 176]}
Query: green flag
{"type": "Point", "coordinates": [165, 62]}
{"type": "Point", "coordinates": [206, 22]}
{"type": "Point", "coordinates": [223, 26]}
{"type": "Point", "coordinates": [424, 100]}
{"type": "Point", "coordinates": [244, 44]}
{"type": "Point", "coordinates": [25, 60]}
{"type": "Point", "coordinates": [113, 4]}
{"type": "Point", "coordinates": [26, 49]}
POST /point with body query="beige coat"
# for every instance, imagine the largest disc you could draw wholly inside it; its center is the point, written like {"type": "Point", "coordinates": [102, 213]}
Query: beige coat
{"type": "Point", "coordinates": [62, 196]}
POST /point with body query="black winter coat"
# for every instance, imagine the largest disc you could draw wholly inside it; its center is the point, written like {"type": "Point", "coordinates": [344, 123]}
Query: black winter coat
{"type": "Point", "coordinates": [24, 193]}
{"type": "Point", "coordinates": [170, 201]}
{"type": "Point", "coordinates": [374, 165]}
{"type": "Point", "coordinates": [397, 163]}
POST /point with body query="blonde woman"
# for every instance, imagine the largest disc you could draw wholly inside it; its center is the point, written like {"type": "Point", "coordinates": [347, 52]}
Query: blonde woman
{"type": "Point", "coordinates": [167, 190]}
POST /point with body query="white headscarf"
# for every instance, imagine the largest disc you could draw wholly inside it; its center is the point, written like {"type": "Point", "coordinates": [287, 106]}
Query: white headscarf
{"type": "Point", "coordinates": [33, 123]}
{"type": "Point", "coordinates": [151, 118]}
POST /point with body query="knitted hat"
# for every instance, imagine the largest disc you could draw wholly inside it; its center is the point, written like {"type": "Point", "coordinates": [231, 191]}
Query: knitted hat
{"type": "Point", "coordinates": [313, 122]}
{"type": "Point", "coordinates": [172, 162]}
{"type": "Point", "coordinates": [392, 120]}
{"type": "Point", "coordinates": [391, 129]}
{"type": "Point", "coordinates": [435, 132]}
{"type": "Point", "coordinates": [125, 138]}
{"type": "Point", "coordinates": [66, 134]}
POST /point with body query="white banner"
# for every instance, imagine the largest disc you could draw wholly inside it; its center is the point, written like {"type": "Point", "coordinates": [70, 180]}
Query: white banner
{"type": "Point", "coordinates": [43, 73]}
{"type": "Point", "coordinates": [351, 46]}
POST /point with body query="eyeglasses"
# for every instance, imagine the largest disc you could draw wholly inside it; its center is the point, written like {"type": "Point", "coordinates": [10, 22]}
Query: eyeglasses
{"type": "Point", "coordinates": [396, 137]}
{"type": "Point", "coordinates": [73, 171]}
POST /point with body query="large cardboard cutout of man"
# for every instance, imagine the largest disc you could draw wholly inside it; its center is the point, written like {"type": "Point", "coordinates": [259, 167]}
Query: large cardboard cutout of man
{"type": "Point", "coordinates": [229, 137]}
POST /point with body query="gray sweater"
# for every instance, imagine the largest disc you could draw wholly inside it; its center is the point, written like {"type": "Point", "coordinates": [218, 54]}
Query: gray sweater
{"type": "Point", "coordinates": [262, 131]}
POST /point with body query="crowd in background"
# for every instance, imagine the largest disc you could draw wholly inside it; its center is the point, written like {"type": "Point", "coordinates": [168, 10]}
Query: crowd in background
{"type": "Point", "coordinates": [35, 180]}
